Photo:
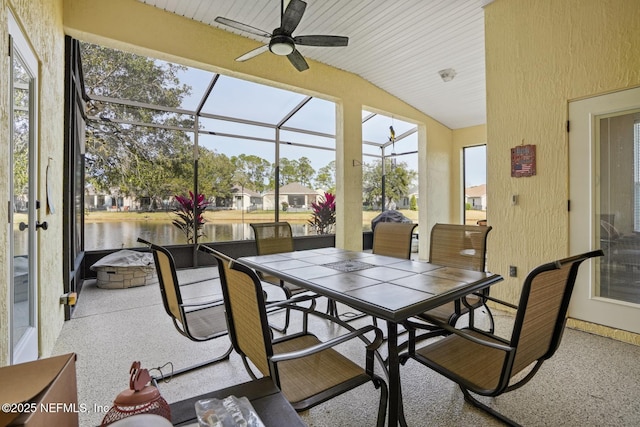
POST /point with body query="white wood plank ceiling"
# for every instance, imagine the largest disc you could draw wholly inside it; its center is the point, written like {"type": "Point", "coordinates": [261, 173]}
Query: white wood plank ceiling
{"type": "Point", "coordinates": [398, 45]}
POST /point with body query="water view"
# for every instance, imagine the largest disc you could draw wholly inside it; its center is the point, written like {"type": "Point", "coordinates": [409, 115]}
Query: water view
{"type": "Point", "coordinates": [118, 235]}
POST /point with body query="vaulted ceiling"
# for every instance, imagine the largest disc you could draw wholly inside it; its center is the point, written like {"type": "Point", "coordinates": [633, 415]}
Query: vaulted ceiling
{"type": "Point", "coordinates": [400, 46]}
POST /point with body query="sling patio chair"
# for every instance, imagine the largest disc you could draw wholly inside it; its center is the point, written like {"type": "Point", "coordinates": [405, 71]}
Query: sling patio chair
{"type": "Point", "coordinates": [273, 238]}
{"type": "Point", "coordinates": [393, 239]}
{"type": "Point", "coordinates": [459, 246]}
{"type": "Point", "coordinates": [306, 369]}
{"type": "Point", "coordinates": [486, 364]}
{"type": "Point", "coordinates": [200, 321]}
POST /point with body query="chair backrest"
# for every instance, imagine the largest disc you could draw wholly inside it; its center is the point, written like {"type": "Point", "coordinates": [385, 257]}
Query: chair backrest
{"type": "Point", "coordinates": [393, 239]}
{"type": "Point", "coordinates": [245, 309]}
{"type": "Point", "coordinates": [273, 237]}
{"type": "Point", "coordinates": [168, 281]}
{"type": "Point", "coordinates": [459, 246]}
{"type": "Point", "coordinates": [542, 310]}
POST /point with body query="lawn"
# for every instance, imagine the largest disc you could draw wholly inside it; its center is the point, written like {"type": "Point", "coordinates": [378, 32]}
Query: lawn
{"type": "Point", "coordinates": [236, 216]}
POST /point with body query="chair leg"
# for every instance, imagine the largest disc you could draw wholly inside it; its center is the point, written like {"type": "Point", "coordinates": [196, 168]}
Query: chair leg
{"type": "Point", "coordinates": [384, 397]}
{"type": "Point", "coordinates": [475, 402]}
{"type": "Point", "coordinates": [348, 316]}
{"type": "Point", "coordinates": [245, 362]}
{"type": "Point", "coordinates": [287, 315]}
{"type": "Point", "coordinates": [161, 377]}
{"type": "Point", "coordinates": [282, 330]}
{"type": "Point", "coordinates": [493, 324]}
{"type": "Point", "coordinates": [491, 327]}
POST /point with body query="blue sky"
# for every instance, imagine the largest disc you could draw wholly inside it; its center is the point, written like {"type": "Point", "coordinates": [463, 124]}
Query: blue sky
{"type": "Point", "coordinates": [251, 101]}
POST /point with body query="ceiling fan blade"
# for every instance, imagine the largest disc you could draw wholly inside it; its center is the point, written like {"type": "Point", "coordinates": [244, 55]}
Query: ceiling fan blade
{"type": "Point", "coordinates": [242, 27]}
{"type": "Point", "coordinates": [252, 53]}
{"type": "Point", "coordinates": [332, 41]}
{"type": "Point", "coordinates": [298, 60]}
{"type": "Point", "coordinates": [292, 16]}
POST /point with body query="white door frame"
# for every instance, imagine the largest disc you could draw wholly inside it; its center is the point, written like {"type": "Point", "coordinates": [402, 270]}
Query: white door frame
{"type": "Point", "coordinates": [584, 194]}
{"type": "Point", "coordinates": [26, 349]}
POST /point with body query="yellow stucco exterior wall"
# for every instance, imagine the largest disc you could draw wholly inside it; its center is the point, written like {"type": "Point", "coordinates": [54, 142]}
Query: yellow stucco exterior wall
{"type": "Point", "coordinates": [540, 55]}
{"type": "Point", "coordinates": [42, 23]}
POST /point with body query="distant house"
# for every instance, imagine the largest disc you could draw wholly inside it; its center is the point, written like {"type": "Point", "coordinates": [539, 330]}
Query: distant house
{"type": "Point", "coordinates": [296, 196]}
{"type": "Point", "coordinates": [405, 202]}
{"type": "Point", "coordinates": [245, 198]}
{"type": "Point", "coordinates": [111, 201]}
{"type": "Point", "coordinates": [476, 197]}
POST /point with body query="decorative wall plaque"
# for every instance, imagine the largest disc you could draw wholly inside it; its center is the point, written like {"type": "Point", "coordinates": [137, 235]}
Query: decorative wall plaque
{"type": "Point", "coordinates": [523, 161]}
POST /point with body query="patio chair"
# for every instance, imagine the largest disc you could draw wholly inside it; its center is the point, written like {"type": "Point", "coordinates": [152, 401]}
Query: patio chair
{"type": "Point", "coordinates": [459, 246]}
{"type": "Point", "coordinates": [486, 364]}
{"type": "Point", "coordinates": [200, 321]}
{"type": "Point", "coordinates": [306, 369]}
{"type": "Point", "coordinates": [272, 238]}
{"type": "Point", "coordinates": [393, 239]}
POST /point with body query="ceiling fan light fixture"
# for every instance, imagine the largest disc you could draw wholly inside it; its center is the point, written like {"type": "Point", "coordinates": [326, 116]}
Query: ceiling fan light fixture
{"type": "Point", "coordinates": [282, 42]}
{"type": "Point", "coordinates": [281, 45]}
{"type": "Point", "coordinates": [447, 74]}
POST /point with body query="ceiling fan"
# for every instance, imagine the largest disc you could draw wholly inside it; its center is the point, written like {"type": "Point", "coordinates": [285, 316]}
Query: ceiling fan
{"type": "Point", "coordinates": [282, 42]}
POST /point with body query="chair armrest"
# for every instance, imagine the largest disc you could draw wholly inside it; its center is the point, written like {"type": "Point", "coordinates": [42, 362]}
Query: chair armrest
{"type": "Point", "coordinates": [463, 334]}
{"type": "Point", "coordinates": [291, 303]}
{"type": "Point", "coordinates": [496, 300]}
{"type": "Point", "coordinates": [203, 305]}
{"type": "Point", "coordinates": [144, 242]}
{"type": "Point", "coordinates": [332, 343]}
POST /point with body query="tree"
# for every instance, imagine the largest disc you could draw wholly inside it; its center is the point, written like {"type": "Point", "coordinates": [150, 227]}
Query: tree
{"type": "Point", "coordinates": [215, 176]}
{"type": "Point", "coordinates": [413, 203]}
{"type": "Point", "coordinates": [135, 160]}
{"type": "Point", "coordinates": [20, 103]}
{"type": "Point", "coordinates": [299, 170]}
{"type": "Point", "coordinates": [251, 170]}
{"type": "Point", "coordinates": [326, 177]}
{"type": "Point", "coordinates": [398, 180]}
{"type": "Point", "coordinates": [305, 172]}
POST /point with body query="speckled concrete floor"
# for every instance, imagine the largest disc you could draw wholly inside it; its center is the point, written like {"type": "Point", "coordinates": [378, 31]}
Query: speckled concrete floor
{"type": "Point", "coordinates": [591, 381]}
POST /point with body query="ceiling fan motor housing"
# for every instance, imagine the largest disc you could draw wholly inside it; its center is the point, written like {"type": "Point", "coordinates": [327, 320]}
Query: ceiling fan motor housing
{"type": "Point", "coordinates": [281, 43]}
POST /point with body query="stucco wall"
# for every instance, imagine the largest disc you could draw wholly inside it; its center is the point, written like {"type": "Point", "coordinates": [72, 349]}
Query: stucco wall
{"type": "Point", "coordinates": [539, 55]}
{"type": "Point", "coordinates": [42, 23]}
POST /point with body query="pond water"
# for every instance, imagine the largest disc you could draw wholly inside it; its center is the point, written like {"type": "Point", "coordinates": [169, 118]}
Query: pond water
{"type": "Point", "coordinates": [118, 235]}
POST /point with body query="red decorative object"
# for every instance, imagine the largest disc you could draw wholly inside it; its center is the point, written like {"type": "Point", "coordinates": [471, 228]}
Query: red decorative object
{"type": "Point", "coordinates": [140, 398]}
{"type": "Point", "coordinates": [523, 161]}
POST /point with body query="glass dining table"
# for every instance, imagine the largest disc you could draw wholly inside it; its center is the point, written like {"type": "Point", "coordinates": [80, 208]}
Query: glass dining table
{"type": "Point", "coordinates": [387, 288]}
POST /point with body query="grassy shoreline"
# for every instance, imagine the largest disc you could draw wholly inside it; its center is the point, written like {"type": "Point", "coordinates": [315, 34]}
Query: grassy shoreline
{"type": "Point", "coordinates": [236, 216]}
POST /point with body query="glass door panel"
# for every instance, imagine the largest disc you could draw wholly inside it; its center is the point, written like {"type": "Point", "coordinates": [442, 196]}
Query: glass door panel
{"type": "Point", "coordinates": [619, 206]}
{"type": "Point", "coordinates": [22, 164]}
